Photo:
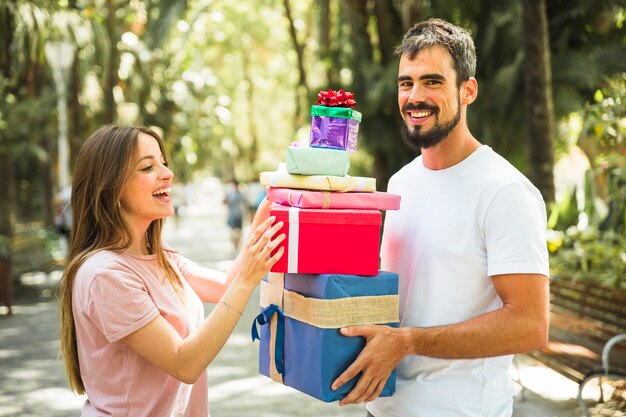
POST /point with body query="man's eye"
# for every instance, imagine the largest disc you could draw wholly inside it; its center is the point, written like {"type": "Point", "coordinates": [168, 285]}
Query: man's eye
{"type": "Point", "coordinates": [166, 164]}
{"type": "Point", "coordinates": [147, 169]}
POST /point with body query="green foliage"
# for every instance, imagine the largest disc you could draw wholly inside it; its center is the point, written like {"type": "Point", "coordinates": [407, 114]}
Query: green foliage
{"type": "Point", "coordinates": [565, 212]}
{"type": "Point", "coordinates": [590, 254]}
{"type": "Point", "coordinates": [597, 252]}
{"type": "Point", "coordinates": [219, 78]}
{"type": "Point", "coordinates": [616, 198]}
{"type": "Point", "coordinates": [605, 120]}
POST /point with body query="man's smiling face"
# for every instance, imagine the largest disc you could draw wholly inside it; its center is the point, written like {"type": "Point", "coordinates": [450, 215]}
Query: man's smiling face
{"type": "Point", "coordinates": [428, 97]}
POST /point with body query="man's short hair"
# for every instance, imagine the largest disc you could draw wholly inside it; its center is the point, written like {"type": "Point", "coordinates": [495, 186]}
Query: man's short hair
{"type": "Point", "coordinates": [437, 32]}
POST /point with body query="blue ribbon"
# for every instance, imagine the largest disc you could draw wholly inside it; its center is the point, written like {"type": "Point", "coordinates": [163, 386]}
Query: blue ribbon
{"type": "Point", "coordinates": [264, 318]}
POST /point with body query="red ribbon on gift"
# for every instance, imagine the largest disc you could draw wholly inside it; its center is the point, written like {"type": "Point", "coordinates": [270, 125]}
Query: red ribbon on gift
{"type": "Point", "coordinates": [332, 98]}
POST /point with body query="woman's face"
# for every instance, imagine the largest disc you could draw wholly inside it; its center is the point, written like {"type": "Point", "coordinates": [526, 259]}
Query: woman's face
{"type": "Point", "coordinates": [146, 194]}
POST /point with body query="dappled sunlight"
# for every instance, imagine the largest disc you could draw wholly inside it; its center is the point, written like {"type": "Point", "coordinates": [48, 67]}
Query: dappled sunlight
{"type": "Point", "coordinates": [56, 399]}
{"type": "Point", "coordinates": [275, 389]}
{"type": "Point", "coordinates": [249, 386]}
{"type": "Point", "coordinates": [240, 340]}
{"type": "Point", "coordinates": [550, 384]}
{"type": "Point", "coordinates": [572, 349]}
{"type": "Point", "coordinates": [227, 372]}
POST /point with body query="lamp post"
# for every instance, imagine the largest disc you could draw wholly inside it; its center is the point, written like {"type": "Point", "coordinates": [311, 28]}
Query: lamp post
{"type": "Point", "coordinates": [60, 57]}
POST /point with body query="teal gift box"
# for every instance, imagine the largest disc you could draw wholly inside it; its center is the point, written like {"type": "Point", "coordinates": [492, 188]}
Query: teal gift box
{"type": "Point", "coordinates": [317, 161]}
{"type": "Point", "coordinates": [334, 127]}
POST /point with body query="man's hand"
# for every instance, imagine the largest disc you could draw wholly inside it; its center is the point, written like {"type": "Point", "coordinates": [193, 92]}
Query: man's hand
{"type": "Point", "coordinates": [384, 348]}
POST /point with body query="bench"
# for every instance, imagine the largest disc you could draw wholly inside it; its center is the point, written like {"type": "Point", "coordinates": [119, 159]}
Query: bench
{"type": "Point", "coordinates": [584, 317]}
{"type": "Point", "coordinates": [34, 254]}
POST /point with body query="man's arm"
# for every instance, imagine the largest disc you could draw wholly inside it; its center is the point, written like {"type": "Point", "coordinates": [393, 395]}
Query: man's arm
{"type": "Point", "coordinates": [520, 325]}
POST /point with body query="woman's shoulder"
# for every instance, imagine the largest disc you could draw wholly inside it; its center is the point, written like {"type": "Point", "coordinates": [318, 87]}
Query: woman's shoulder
{"type": "Point", "coordinates": [102, 261]}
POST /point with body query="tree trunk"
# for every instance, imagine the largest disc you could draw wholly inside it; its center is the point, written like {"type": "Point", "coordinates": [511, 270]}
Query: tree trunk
{"type": "Point", "coordinates": [302, 89]}
{"type": "Point", "coordinates": [7, 204]}
{"type": "Point", "coordinates": [324, 29]}
{"type": "Point", "coordinates": [411, 12]}
{"type": "Point", "coordinates": [45, 167]}
{"type": "Point", "coordinates": [110, 114]}
{"type": "Point", "coordinates": [250, 115]}
{"type": "Point", "coordinates": [539, 107]}
{"type": "Point", "coordinates": [78, 128]}
{"type": "Point", "coordinates": [383, 10]}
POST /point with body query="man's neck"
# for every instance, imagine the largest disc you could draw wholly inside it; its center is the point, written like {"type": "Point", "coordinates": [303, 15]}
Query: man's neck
{"type": "Point", "coordinates": [449, 152]}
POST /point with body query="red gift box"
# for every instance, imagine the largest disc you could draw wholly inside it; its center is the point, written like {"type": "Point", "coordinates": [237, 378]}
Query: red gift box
{"type": "Point", "coordinates": [328, 241]}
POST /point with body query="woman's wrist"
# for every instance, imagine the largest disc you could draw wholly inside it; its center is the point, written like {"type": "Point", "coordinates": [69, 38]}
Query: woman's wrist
{"type": "Point", "coordinates": [230, 307]}
{"type": "Point", "coordinates": [239, 289]}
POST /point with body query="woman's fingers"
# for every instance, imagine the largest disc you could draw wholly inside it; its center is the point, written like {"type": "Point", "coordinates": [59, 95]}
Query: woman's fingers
{"type": "Point", "coordinates": [264, 241]}
{"type": "Point", "coordinates": [276, 257]}
{"type": "Point", "coordinates": [267, 234]}
{"type": "Point", "coordinates": [271, 246]}
{"type": "Point", "coordinates": [259, 231]}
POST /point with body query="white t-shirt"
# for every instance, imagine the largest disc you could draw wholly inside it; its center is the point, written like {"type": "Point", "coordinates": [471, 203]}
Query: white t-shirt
{"type": "Point", "coordinates": [456, 227]}
{"type": "Point", "coordinates": [113, 296]}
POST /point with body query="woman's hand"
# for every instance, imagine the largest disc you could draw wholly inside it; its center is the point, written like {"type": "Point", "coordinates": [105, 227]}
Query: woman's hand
{"type": "Point", "coordinates": [257, 256]}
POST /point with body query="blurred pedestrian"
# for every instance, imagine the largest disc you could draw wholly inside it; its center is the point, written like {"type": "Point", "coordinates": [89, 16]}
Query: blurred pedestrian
{"type": "Point", "coordinates": [235, 203]}
{"type": "Point", "coordinates": [255, 194]}
{"type": "Point", "coordinates": [134, 338]}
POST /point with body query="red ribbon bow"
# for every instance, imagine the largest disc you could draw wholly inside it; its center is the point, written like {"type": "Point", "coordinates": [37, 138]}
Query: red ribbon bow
{"type": "Point", "coordinates": [333, 98]}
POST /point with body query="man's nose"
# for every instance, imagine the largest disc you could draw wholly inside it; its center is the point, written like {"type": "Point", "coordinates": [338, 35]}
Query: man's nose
{"type": "Point", "coordinates": [417, 94]}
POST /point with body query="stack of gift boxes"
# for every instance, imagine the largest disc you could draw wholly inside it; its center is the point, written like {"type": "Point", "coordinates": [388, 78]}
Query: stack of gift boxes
{"type": "Point", "coordinates": [328, 276]}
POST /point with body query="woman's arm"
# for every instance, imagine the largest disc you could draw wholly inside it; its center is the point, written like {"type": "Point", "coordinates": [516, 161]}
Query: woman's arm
{"type": "Point", "coordinates": [185, 359]}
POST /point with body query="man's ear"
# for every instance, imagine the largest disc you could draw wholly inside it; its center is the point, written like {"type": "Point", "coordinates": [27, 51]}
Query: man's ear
{"type": "Point", "coordinates": [469, 91]}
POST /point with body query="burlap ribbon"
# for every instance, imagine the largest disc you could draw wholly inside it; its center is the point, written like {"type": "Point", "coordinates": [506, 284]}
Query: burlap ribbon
{"type": "Point", "coordinates": [325, 199]}
{"type": "Point", "coordinates": [321, 313]}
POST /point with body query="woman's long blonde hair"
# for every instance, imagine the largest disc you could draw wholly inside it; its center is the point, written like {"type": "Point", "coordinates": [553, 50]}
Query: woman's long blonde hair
{"type": "Point", "coordinates": [103, 166]}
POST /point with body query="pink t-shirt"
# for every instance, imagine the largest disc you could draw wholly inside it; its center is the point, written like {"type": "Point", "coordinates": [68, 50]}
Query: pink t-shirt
{"type": "Point", "coordinates": [113, 296]}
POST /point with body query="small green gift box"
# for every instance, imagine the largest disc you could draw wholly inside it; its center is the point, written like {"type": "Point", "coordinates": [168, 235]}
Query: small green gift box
{"type": "Point", "coordinates": [342, 112]}
{"type": "Point", "coordinates": [317, 161]}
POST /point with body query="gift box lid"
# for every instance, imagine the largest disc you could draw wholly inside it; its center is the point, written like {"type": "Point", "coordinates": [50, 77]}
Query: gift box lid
{"type": "Point", "coordinates": [327, 216]}
{"type": "Point", "coordinates": [281, 178]}
{"type": "Point", "coordinates": [329, 199]}
{"type": "Point", "coordinates": [342, 112]}
{"type": "Point", "coordinates": [305, 160]}
{"type": "Point", "coordinates": [335, 286]}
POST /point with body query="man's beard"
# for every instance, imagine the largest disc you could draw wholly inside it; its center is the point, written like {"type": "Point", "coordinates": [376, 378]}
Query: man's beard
{"type": "Point", "coordinates": [424, 140]}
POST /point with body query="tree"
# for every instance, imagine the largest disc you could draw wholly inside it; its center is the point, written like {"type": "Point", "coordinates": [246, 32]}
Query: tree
{"type": "Point", "coordinates": [21, 79]}
{"type": "Point", "coordinates": [539, 108]}
{"type": "Point", "coordinates": [302, 90]}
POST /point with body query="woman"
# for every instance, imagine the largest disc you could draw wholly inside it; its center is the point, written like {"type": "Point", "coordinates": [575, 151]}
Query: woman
{"type": "Point", "coordinates": [134, 335]}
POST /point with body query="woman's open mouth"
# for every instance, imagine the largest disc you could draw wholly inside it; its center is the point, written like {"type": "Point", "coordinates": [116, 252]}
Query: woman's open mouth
{"type": "Point", "coordinates": [162, 194]}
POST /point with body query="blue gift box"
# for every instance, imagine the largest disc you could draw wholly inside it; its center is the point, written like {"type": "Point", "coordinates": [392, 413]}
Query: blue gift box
{"type": "Point", "coordinates": [309, 358]}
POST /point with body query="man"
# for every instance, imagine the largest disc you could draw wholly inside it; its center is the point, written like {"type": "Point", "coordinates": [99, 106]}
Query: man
{"type": "Point", "coordinates": [468, 243]}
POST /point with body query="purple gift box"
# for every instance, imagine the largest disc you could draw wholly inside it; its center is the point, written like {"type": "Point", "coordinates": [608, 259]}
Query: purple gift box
{"type": "Point", "coordinates": [334, 127]}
